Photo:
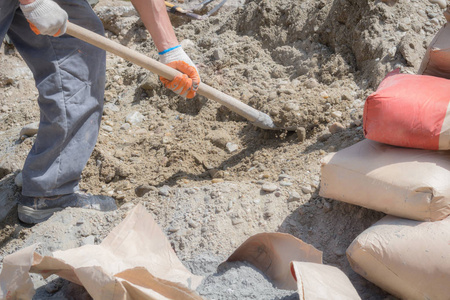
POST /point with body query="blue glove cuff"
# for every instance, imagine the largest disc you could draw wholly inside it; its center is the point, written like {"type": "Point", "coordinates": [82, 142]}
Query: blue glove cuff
{"type": "Point", "coordinates": [168, 50]}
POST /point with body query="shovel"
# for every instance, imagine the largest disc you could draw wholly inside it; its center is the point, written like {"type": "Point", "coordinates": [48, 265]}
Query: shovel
{"type": "Point", "coordinates": [256, 117]}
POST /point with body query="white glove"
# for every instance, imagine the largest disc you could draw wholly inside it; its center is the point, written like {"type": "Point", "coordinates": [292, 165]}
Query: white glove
{"type": "Point", "coordinates": [174, 55]}
{"type": "Point", "coordinates": [45, 17]}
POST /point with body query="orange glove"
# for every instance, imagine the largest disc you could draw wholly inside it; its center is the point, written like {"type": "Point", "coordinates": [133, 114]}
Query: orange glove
{"type": "Point", "coordinates": [186, 84]}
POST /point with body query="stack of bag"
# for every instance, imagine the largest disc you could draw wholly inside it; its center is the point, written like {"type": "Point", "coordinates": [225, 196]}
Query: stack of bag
{"type": "Point", "coordinates": [403, 170]}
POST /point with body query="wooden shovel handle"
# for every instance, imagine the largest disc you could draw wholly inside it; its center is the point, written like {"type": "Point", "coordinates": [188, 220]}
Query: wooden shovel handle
{"type": "Point", "coordinates": [258, 118]}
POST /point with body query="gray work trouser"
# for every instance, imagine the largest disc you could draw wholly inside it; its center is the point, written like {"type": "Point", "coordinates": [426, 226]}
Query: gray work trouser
{"type": "Point", "coordinates": [70, 78]}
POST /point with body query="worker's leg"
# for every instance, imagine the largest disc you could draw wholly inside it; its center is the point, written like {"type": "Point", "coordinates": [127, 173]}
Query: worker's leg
{"type": "Point", "coordinates": [70, 78]}
{"type": "Point", "coordinates": [7, 10]}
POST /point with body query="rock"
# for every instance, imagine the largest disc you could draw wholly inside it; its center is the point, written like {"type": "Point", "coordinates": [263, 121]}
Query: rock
{"type": "Point", "coordinates": [285, 183]}
{"type": "Point", "coordinates": [358, 122]}
{"type": "Point", "coordinates": [164, 190]}
{"type": "Point", "coordinates": [306, 190]}
{"type": "Point", "coordinates": [134, 117]}
{"type": "Point", "coordinates": [218, 54]}
{"type": "Point", "coordinates": [336, 127]}
{"type": "Point", "coordinates": [30, 129]}
{"type": "Point", "coordinates": [217, 180]}
{"type": "Point", "coordinates": [143, 189]}
{"type": "Point", "coordinates": [311, 83]}
{"type": "Point", "coordinates": [324, 95]}
{"type": "Point", "coordinates": [107, 128]}
{"type": "Point", "coordinates": [346, 95]}
{"type": "Point", "coordinates": [269, 187]}
{"type": "Point", "coordinates": [173, 229]}
{"type": "Point", "coordinates": [151, 82]}
{"type": "Point", "coordinates": [336, 114]}
{"type": "Point", "coordinates": [283, 177]}
{"type": "Point", "coordinates": [301, 134]}
{"type": "Point", "coordinates": [125, 126]}
{"type": "Point", "coordinates": [294, 196]}
{"type": "Point", "coordinates": [18, 180]}
{"type": "Point", "coordinates": [231, 147]}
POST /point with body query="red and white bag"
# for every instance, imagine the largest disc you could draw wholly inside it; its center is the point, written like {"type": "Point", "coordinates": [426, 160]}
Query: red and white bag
{"type": "Point", "coordinates": [409, 111]}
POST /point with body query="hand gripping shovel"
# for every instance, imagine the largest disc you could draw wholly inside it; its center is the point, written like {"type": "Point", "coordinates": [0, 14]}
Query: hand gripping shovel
{"type": "Point", "coordinates": [256, 117]}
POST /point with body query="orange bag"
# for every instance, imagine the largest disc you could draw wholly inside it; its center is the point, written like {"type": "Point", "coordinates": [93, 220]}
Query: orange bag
{"type": "Point", "coordinates": [409, 111]}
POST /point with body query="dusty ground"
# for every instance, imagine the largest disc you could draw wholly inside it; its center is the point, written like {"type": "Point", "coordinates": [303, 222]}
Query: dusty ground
{"type": "Point", "coordinates": [308, 64]}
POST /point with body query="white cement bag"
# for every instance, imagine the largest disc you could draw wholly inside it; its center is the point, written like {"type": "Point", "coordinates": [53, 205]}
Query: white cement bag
{"type": "Point", "coordinates": [409, 183]}
{"type": "Point", "coordinates": [409, 259]}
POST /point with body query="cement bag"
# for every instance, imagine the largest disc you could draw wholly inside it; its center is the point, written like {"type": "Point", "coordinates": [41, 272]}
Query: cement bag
{"type": "Point", "coordinates": [409, 111]}
{"type": "Point", "coordinates": [321, 282]}
{"type": "Point", "coordinates": [409, 183]}
{"type": "Point", "coordinates": [409, 259]}
{"type": "Point", "coordinates": [436, 61]}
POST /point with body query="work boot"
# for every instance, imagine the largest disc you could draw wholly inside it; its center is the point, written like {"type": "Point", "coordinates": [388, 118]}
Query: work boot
{"type": "Point", "coordinates": [34, 210]}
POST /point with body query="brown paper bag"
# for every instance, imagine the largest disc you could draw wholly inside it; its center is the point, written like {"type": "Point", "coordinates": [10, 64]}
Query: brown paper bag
{"type": "Point", "coordinates": [135, 261]}
{"type": "Point", "coordinates": [436, 61]}
{"type": "Point", "coordinates": [408, 259]}
{"type": "Point", "coordinates": [272, 254]}
{"type": "Point", "coordinates": [321, 282]}
{"type": "Point", "coordinates": [409, 183]}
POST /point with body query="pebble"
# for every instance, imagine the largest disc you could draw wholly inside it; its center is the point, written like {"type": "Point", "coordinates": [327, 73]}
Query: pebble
{"type": "Point", "coordinates": [218, 54]}
{"type": "Point", "coordinates": [173, 229]}
{"type": "Point", "coordinates": [283, 176]}
{"type": "Point", "coordinates": [277, 193]}
{"type": "Point", "coordinates": [358, 122]}
{"type": "Point", "coordinates": [301, 134]}
{"type": "Point", "coordinates": [336, 114]}
{"type": "Point", "coordinates": [269, 187]}
{"type": "Point", "coordinates": [164, 190]}
{"type": "Point", "coordinates": [134, 117]}
{"type": "Point", "coordinates": [217, 180]}
{"type": "Point", "coordinates": [143, 189]}
{"type": "Point", "coordinates": [80, 221]}
{"type": "Point", "coordinates": [231, 147]}
{"type": "Point", "coordinates": [30, 129]}
{"type": "Point", "coordinates": [306, 189]}
{"type": "Point", "coordinates": [107, 128]}
{"type": "Point", "coordinates": [311, 83]}
{"type": "Point", "coordinates": [336, 127]}
{"type": "Point", "coordinates": [293, 196]}
{"type": "Point", "coordinates": [324, 95]}
{"type": "Point", "coordinates": [125, 126]}
{"type": "Point", "coordinates": [434, 21]}
{"type": "Point", "coordinates": [285, 183]}
{"type": "Point", "coordinates": [192, 224]}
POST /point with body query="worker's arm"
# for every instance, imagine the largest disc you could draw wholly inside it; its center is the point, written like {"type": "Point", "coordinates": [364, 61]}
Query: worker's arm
{"type": "Point", "coordinates": [154, 15]}
{"type": "Point", "coordinates": [45, 16]}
